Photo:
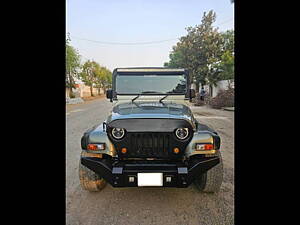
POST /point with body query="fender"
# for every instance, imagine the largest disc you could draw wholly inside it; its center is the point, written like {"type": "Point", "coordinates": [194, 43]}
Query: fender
{"type": "Point", "coordinates": [97, 135]}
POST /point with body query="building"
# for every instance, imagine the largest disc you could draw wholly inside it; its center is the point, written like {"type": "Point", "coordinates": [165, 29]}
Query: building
{"type": "Point", "coordinates": [213, 90]}
{"type": "Point", "coordinates": [83, 90]}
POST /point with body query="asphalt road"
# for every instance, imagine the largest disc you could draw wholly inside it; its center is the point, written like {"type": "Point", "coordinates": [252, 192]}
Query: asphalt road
{"type": "Point", "coordinates": [134, 206]}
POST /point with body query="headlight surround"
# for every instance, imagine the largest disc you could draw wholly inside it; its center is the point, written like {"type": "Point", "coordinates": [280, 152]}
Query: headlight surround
{"type": "Point", "coordinates": [118, 133]}
{"type": "Point", "coordinates": [182, 133]}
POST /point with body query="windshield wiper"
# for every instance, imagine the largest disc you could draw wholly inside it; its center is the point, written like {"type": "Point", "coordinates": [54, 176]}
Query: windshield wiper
{"type": "Point", "coordinates": [160, 100]}
{"type": "Point", "coordinates": [150, 92]}
{"type": "Point", "coordinates": [166, 95]}
{"type": "Point", "coordinates": [145, 92]}
{"type": "Point", "coordinates": [135, 97]}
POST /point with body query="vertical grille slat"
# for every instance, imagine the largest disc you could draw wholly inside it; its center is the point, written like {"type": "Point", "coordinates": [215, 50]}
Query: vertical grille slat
{"type": "Point", "coordinates": [164, 146]}
{"type": "Point", "coordinates": [166, 142]}
{"type": "Point", "coordinates": [152, 144]}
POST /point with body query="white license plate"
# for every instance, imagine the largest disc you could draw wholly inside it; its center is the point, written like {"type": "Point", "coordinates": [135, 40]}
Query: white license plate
{"type": "Point", "coordinates": [150, 179]}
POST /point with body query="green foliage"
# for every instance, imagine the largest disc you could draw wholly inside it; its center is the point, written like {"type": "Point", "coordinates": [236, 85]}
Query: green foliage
{"type": "Point", "coordinates": [227, 66]}
{"type": "Point", "coordinates": [228, 40]}
{"type": "Point", "coordinates": [89, 74]}
{"type": "Point", "coordinates": [72, 65]}
{"type": "Point", "coordinates": [202, 50]}
{"type": "Point", "coordinates": [224, 68]}
{"type": "Point", "coordinates": [176, 59]}
{"type": "Point", "coordinates": [94, 75]}
{"type": "Point", "coordinates": [104, 78]}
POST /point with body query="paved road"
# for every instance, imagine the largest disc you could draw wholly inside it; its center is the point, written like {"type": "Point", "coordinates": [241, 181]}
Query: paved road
{"type": "Point", "coordinates": [134, 206]}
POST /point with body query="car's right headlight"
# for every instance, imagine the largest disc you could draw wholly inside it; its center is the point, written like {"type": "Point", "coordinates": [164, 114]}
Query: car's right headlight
{"type": "Point", "coordinates": [118, 133]}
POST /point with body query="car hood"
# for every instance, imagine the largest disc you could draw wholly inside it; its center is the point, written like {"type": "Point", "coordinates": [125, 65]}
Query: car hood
{"type": "Point", "coordinates": [151, 110]}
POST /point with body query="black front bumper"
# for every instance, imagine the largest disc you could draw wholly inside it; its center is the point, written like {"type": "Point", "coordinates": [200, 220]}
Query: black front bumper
{"type": "Point", "coordinates": [118, 173]}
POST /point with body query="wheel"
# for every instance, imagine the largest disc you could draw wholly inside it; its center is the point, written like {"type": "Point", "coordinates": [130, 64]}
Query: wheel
{"type": "Point", "coordinates": [211, 181]}
{"type": "Point", "coordinates": [89, 180]}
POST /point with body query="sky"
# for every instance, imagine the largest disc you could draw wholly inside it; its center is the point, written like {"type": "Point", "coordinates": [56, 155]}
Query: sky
{"type": "Point", "coordinates": [90, 22]}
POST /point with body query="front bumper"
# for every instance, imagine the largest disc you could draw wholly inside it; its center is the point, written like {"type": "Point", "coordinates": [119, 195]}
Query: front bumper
{"type": "Point", "coordinates": [118, 173]}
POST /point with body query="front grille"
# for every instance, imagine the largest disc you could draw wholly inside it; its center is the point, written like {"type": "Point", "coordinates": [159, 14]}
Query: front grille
{"type": "Point", "coordinates": [149, 145]}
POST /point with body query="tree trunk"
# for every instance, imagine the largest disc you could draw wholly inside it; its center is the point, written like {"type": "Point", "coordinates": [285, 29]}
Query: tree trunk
{"type": "Point", "coordinates": [70, 86]}
{"type": "Point", "coordinates": [211, 90]}
{"type": "Point", "coordinates": [71, 92]}
{"type": "Point", "coordinates": [91, 88]}
{"type": "Point", "coordinates": [197, 87]}
{"type": "Point", "coordinates": [229, 84]}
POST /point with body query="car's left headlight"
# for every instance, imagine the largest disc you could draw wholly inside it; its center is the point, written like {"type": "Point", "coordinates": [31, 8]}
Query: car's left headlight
{"type": "Point", "coordinates": [118, 133]}
{"type": "Point", "coordinates": [182, 133]}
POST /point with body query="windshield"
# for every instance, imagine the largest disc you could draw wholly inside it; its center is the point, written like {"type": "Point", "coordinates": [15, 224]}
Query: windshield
{"type": "Point", "coordinates": [148, 84]}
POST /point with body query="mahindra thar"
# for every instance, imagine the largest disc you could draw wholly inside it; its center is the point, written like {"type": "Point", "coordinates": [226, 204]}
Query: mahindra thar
{"type": "Point", "coordinates": [150, 138]}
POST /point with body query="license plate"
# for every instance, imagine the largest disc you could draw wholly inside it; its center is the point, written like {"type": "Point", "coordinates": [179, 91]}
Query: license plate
{"type": "Point", "coordinates": [150, 179]}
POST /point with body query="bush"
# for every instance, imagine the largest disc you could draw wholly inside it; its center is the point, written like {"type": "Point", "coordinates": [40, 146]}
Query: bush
{"type": "Point", "coordinates": [197, 100]}
{"type": "Point", "coordinates": [225, 98]}
{"type": "Point", "coordinates": [72, 95]}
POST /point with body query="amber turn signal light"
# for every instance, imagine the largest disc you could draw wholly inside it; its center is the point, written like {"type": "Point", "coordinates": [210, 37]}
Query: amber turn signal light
{"type": "Point", "coordinates": [176, 150]}
{"type": "Point", "coordinates": [96, 147]}
{"type": "Point", "coordinates": [201, 147]}
{"type": "Point", "coordinates": [124, 150]}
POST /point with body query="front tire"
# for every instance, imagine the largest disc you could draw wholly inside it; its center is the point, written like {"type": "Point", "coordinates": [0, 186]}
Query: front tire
{"type": "Point", "coordinates": [211, 181]}
{"type": "Point", "coordinates": [89, 180]}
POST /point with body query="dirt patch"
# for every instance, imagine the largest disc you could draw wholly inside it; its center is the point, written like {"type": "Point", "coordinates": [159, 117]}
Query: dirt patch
{"type": "Point", "coordinates": [93, 97]}
{"type": "Point", "coordinates": [203, 114]}
{"type": "Point", "coordinates": [87, 100]}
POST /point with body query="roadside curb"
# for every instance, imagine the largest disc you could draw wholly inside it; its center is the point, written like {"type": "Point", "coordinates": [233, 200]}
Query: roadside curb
{"type": "Point", "coordinates": [228, 108]}
{"type": "Point", "coordinates": [71, 101]}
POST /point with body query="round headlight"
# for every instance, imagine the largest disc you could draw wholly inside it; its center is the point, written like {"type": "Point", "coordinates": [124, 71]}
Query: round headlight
{"type": "Point", "coordinates": [118, 133]}
{"type": "Point", "coordinates": [182, 133]}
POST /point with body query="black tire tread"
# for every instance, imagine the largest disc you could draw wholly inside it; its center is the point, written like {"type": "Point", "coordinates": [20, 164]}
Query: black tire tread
{"type": "Point", "coordinates": [89, 180]}
{"type": "Point", "coordinates": [211, 181]}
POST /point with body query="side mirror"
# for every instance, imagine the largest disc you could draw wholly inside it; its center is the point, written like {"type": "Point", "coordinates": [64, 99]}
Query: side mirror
{"type": "Point", "coordinates": [192, 93]}
{"type": "Point", "coordinates": [109, 94]}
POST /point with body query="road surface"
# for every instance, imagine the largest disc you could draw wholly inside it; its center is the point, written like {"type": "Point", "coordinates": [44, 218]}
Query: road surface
{"type": "Point", "coordinates": [133, 206]}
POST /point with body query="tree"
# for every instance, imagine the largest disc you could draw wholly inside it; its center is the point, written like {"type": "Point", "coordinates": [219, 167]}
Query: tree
{"type": "Point", "coordinates": [202, 50]}
{"type": "Point", "coordinates": [96, 76]}
{"type": "Point", "coordinates": [225, 67]}
{"type": "Point", "coordinates": [199, 50]}
{"type": "Point", "coordinates": [89, 74]}
{"type": "Point", "coordinates": [72, 66]}
{"type": "Point", "coordinates": [104, 78]}
{"type": "Point", "coordinates": [228, 41]}
{"type": "Point", "coordinates": [176, 58]}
